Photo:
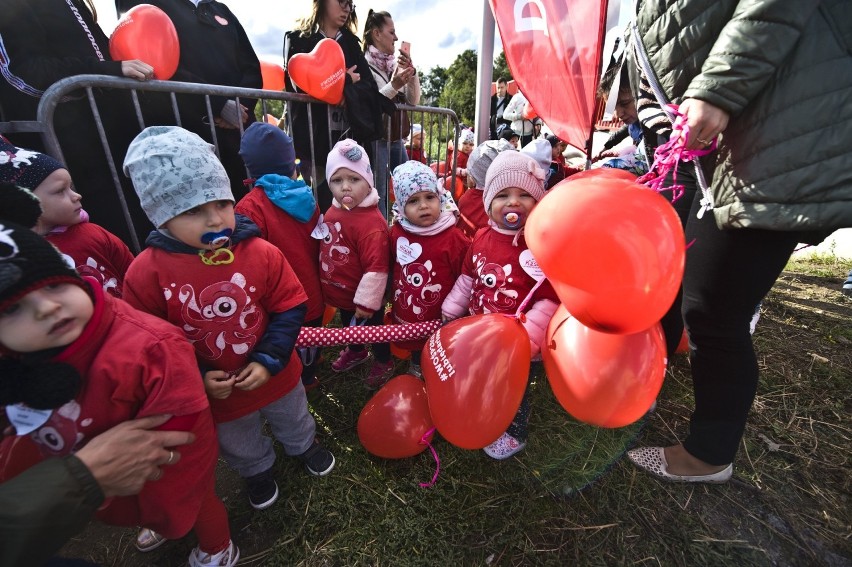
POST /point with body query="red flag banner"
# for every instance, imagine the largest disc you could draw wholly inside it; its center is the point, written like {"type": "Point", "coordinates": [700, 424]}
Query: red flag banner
{"type": "Point", "coordinates": [553, 48]}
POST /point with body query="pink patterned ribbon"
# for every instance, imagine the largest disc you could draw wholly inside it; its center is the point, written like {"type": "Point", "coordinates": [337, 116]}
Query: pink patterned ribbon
{"type": "Point", "coordinates": [322, 336]}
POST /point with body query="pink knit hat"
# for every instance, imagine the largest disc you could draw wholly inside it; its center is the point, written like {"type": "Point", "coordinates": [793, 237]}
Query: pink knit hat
{"type": "Point", "coordinates": [513, 169]}
{"type": "Point", "coordinates": [347, 153]}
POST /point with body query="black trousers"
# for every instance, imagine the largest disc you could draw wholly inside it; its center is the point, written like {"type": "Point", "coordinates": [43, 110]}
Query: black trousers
{"type": "Point", "coordinates": [727, 273]}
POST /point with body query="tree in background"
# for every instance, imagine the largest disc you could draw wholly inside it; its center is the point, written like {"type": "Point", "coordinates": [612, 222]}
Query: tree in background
{"type": "Point", "coordinates": [459, 92]}
{"type": "Point", "coordinates": [433, 85]}
{"type": "Point", "coordinates": [501, 68]}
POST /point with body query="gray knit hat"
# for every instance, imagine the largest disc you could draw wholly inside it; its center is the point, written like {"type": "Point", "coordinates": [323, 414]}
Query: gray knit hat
{"type": "Point", "coordinates": [482, 156]}
{"type": "Point", "coordinates": [174, 170]}
{"type": "Point", "coordinates": [513, 169]}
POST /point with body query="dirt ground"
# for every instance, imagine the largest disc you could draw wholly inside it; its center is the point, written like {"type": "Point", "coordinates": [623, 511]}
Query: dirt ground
{"type": "Point", "coordinates": [790, 495]}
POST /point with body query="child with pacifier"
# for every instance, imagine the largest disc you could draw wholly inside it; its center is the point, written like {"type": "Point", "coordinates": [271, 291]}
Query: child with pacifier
{"type": "Point", "coordinates": [354, 255]}
{"type": "Point", "coordinates": [234, 296]}
{"type": "Point", "coordinates": [427, 249]}
{"type": "Point", "coordinates": [499, 271]}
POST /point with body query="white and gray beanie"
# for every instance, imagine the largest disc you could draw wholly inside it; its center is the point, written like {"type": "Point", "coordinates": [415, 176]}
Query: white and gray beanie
{"type": "Point", "coordinates": [174, 170]}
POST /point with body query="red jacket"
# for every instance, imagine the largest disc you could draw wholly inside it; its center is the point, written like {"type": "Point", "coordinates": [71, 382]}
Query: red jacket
{"type": "Point", "coordinates": [293, 238]}
{"type": "Point", "coordinates": [133, 365]}
{"type": "Point", "coordinates": [472, 209]}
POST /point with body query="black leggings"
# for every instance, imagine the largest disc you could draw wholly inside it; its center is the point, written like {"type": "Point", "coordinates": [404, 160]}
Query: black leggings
{"type": "Point", "coordinates": [727, 273]}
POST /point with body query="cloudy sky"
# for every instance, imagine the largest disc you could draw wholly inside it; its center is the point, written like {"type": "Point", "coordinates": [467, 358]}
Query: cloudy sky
{"type": "Point", "coordinates": [437, 34]}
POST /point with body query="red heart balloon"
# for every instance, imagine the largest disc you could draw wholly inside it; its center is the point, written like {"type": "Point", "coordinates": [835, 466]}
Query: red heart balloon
{"type": "Point", "coordinates": [146, 33]}
{"type": "Point", "coordinates": [320, 73]}
{"type": "Point", "coordinates": [476, 371]}
{"type": "Point", "coordinates": [613, 251]}
{"type": "Point", "coordinates": [395, 419]}
{"type": "Point", "coordinates": [273, 76]}
{"type": "Point", "coordinates": [603, 173]}
{"type": "Point", "coordinates": [600, 378]}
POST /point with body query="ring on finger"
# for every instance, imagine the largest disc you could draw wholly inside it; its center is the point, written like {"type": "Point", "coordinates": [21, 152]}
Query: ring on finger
{"type": "Point", "coordinates": [171, 457]}
{"type": "Point", "coordinates": [705, 142]}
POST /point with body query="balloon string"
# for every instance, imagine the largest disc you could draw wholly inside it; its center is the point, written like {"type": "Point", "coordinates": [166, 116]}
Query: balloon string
{"type": "Point", "coordinates": [667, 156]}
{"type": "Point", "coordinates": [527, 299]}
{"type": "Point", "coordinates": [424, 441]}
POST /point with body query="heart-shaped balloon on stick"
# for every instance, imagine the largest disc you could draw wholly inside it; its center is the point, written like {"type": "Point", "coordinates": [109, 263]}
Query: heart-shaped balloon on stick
{"type": "Point", "coordinates": [147, 33]}
{"type": "Point", "coordinates": [320, 73]}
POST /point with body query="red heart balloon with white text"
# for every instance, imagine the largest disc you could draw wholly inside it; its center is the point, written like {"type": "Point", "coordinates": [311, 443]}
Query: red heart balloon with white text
{"type": "Point", "coordinates": [320, 73]}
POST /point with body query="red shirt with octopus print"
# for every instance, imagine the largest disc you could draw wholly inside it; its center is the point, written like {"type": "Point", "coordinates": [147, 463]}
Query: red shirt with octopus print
{"type": "Point", "coordinates": [222, 309]}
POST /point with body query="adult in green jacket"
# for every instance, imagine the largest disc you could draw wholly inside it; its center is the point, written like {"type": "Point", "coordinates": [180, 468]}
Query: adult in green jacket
{"type": "Point", "coordinates": [47, 504]}
{"type": "Point", "coordinates": [772, 79]}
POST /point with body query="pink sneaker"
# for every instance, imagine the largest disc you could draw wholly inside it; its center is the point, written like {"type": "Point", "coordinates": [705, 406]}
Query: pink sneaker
{"type": "Point", "coordinates": [349, 359]}
{"type": "Point", "coordinates": [379, 374]}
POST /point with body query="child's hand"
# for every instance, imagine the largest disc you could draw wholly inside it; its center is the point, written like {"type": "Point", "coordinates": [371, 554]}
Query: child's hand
{"type": "Point", "coordinates": [219, 383]}
{"type": "Point", "coordinates": [361, 313]}
{"type": "Point", "coordinates": [253, 376]}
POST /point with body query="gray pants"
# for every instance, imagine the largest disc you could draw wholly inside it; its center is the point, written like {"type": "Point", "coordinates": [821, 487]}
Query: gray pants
{"type": "Point", "coordinates": [249, 452]}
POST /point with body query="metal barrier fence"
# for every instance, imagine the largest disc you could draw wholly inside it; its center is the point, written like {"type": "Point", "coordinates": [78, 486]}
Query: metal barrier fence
{"type": "Point", "coordinates": [438, 124]}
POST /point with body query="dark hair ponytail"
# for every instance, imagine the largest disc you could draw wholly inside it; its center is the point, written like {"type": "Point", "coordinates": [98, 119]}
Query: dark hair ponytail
{"type": "Point", "coordinates": [374, 21]}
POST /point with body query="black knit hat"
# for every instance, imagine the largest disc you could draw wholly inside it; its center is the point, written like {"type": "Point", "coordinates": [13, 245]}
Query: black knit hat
{"type": "Point", "coordinates": [20, 205]}
{"type": "Point", "coordinates": [29, 262]}
{"type": "Point", "coordinates": [25, 168]}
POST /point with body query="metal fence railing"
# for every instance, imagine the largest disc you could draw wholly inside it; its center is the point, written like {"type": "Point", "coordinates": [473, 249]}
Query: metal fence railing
{"type": "Point", "coordinates": [438, 124]}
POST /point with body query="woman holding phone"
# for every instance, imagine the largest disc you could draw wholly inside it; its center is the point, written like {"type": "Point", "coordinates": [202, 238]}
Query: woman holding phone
{"type": "Point", "coordinates": [397, 79]}
{"type": "Point", "coordinates": [333, 19]}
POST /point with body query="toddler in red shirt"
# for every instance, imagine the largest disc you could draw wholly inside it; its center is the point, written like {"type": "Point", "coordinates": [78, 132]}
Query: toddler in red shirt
{"type": "Point", "coordinates": [95, 251]}
{"type": "Point", "coordinates": [77, 362]}
{"type": "Point", "coordinates": [284, 209]}
{"type": "Point", "coordinates": [234, 296]}
{"type": "Point", "coordinates": [427, 249]}
{"type": "Point", "coordinates": [354, 255]}
{"type": "Point", "coordinates": [499, 271]}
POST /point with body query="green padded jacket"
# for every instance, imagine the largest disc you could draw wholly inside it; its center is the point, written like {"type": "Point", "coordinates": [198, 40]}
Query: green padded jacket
{"type": "Point", "coordinates": [783, 70]}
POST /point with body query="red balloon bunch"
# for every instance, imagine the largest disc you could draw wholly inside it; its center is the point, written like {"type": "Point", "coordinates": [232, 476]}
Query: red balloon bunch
{"type": "Point", "coordinates": [613, 251]}
{"type": "Point", "coordinates": [601, 378]}
{"type": "Point", "coordinates": [147, 33]}
{"type": "Point", "coordinates": [476, 371]}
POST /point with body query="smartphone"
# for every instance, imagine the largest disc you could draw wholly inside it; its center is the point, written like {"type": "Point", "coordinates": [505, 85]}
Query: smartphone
{"type": "Point", "coordinates": [405, 47]}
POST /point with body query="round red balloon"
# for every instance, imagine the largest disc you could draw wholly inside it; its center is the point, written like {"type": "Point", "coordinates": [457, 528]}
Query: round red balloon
{"type": "Point", "coordinates": [273, 76]}
{"type": "Point", "coordinates": [600, 378]}
{"type": "Point", "coordinates": [476, 371]}
{"type": "Point", "coordinates": [146, 33]}
{"type": "Point", "coordinates": [395, 419]}
{"type": "Point", "coordinates": [613, 251]}
{"type": "Point", "coordinates": [320, 73]}
{"type": "Point", "coordinates": [528, 112]}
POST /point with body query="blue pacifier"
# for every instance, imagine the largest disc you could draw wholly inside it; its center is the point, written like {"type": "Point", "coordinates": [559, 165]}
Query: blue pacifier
{"type": "Point", "coordinates": [217, 239]}
{"type": "Point", "coordinates": [512, 220]}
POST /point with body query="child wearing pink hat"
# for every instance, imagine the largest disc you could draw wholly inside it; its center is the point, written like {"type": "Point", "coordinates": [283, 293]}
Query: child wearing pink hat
{"type": "Point", "coordinates": [427, 249]}
{"type": "Point", "coordinates": [499, 271]}
{"type": "Point", "coordinates": [354, 258]}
